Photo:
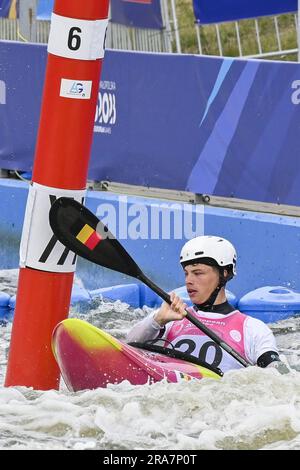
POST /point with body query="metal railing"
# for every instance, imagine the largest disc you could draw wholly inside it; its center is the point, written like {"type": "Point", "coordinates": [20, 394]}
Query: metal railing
{"type": "Point", "coordinates": [242, 46]}
{"type": "Point", "coordinates": [244, 41]}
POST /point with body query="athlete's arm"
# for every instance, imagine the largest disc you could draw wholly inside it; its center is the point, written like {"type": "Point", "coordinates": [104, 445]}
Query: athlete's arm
{"type": "Point", "coordinates": [144, 330]}
{"type": "Point", "coordinates": [260, 345]}
{"type": "Point", "coordinates": [153, 326]}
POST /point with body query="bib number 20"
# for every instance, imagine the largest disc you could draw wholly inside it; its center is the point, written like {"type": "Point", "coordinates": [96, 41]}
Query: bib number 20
{"type": "Point", "coordinates": [203, 352]}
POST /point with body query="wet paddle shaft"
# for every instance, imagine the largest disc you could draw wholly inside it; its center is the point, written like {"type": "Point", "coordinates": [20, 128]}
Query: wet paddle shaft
{"type": "Point", "coordinates": [83, 233]}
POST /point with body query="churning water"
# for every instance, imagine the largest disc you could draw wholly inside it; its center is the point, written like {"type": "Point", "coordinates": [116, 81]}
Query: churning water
{"type": "Point", "coordinates": [247, 409]}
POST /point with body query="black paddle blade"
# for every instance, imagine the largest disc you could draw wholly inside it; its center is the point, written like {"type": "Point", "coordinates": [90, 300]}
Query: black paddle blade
{"type": "Point", "coordinates": [83, 233]}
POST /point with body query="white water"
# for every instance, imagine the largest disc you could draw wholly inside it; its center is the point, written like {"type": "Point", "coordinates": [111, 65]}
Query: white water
{"type": "Point", "coordinates": [247, 409]}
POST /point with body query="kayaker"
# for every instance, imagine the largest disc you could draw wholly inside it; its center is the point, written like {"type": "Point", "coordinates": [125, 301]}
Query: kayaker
{"type": "Point", "coordinates": [209, 262]}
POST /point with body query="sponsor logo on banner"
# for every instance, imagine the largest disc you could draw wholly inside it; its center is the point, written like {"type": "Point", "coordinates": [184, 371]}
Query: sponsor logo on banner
{"type": "Point", "coordinates": [106, 112]}
{"type": "Point", "coordinates": [2, 92]}
{"type": "Point", "coordinates": [78, 89]}
{"type": "Point", "coordinates": [296, 94]}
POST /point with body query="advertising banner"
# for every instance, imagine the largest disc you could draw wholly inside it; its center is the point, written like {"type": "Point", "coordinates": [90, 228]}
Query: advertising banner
{"type": "Point", "coordinates": [208, 125]}
{"type": "Point", "coordinates": [44, 9]}
{"type": "Point", "coordinates": [218, 11]}
{"type": "Point", "coordinates": [9, 8]}
{"type": "Point", "coordinates": [137, 13]}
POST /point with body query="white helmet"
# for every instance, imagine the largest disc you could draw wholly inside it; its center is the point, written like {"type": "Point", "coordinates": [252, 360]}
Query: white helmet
{"type": "Point", "coordinates": [209, 249]}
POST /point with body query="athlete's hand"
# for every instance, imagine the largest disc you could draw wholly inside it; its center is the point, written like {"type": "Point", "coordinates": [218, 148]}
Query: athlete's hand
{"type": "Point", "coordinates": [175, 311]}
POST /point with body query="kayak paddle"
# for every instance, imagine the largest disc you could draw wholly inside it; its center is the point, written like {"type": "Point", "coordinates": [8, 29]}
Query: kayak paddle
{"type": "Point", "coordinates": [82, 232]}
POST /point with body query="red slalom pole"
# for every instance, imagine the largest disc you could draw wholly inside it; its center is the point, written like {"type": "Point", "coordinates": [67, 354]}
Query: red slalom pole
{"type": "Point", "coordinates": [75, 53]}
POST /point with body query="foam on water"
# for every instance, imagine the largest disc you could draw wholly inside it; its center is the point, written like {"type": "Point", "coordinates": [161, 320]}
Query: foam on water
{"type": "Point", "coordinates": [9, 280]}
{"type": "Point", "coordinates": [247, 409]}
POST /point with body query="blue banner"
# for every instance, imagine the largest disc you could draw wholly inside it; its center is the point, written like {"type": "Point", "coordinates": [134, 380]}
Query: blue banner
{"type": "Point", "coordinates": [4, 8]}
{"type": "Point", "coordinates": [132, 13]}
{"type": "Point", "coordinates": [9, 8]}
{"type": "Point", "coordinates": [218, 11]}
{"type": "Point", "coordinates": [217, 126]}
{"type": "Point", "coordinates": [44, 9]}
{"type": "Point", "coordinates": [137, 13]}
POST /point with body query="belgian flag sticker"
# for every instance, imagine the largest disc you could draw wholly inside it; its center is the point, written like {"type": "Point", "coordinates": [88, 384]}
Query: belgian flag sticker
{"type": "Point", "coordinates": [87, 235]}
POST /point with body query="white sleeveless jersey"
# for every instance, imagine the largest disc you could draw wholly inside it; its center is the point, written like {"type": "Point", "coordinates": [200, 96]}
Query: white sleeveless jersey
{"type": "Point", "coordinates": [257, 339]}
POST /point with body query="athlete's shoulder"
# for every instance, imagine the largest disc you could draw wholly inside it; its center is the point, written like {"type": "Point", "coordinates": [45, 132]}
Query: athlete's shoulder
{"type": "Point", "coordinates": [256, 325]}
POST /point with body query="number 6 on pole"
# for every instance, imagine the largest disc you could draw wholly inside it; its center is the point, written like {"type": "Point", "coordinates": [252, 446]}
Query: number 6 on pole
{"type": "Point", "coordinates": [76, 37]}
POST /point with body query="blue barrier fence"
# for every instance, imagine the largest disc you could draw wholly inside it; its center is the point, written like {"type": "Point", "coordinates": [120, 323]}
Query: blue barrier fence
{"type": "Point", "coordinates": [268, 249]}
{"type": "Point", "coordinates": [268, 245]}
{"type": "Point", "coordinates": [269, 303]}
{"type": "Point", "coordinates": [217, 126]}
